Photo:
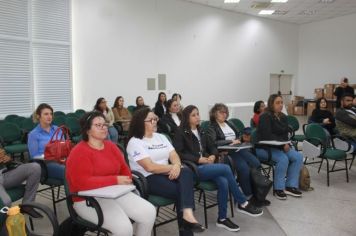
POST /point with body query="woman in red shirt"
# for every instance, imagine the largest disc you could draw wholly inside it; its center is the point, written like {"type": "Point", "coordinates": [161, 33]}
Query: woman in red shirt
{"type": "Point", "coordinates": [258, 109]}
{"type": "Point", "coordinates": [96, 162]}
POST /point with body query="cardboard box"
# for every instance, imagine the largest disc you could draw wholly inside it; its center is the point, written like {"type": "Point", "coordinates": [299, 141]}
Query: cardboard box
{"type": "Point", "coordinates": [290, 108]}
{"type": "Point", "coordinates": [310, 108]}
{"type": "Point", "coordinates": [298, 98]}
{"type": "Point", "coordinates": [299, 111]}
{"type": "Point", "coordinates": [329, 91]}
{"type": "Point", "coordinates": [318, 93]}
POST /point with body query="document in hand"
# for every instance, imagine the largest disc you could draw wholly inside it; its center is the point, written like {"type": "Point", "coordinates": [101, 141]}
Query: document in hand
{"type": "Point", "coordinates": [111, 192]}
{"type": "Point", "coordinates": [274, 143]}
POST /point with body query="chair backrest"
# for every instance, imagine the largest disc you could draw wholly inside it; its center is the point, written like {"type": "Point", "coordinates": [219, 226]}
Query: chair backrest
{"type": "Point", "coordinates": [59, 113]}
{"type": "Point", "coordinates": [27, 124]}
{"type": "Point", "coordinates": [131, 108]}
{"type": "Point", "coordinates": [253, 136]}
{"type": "Point", "coordinates": [238, 124]}
{"type": "Point", "coordinates": [73, 125]}
{"type": "Point", "coordinates": [10, 132]}
{"type": "Point", "coordinates": [315, 131]}
{"type": "Point", "coordinates": [293, 122]}
{"type": "Point", "coordinates": [72, 114]}
{"type": "Point", "coordinates": [80, 112]}
{"type": "Point", "coordinates": [15, 194]}
{"type": "Point", "coordinates": [204, 125]}
{"type": "Point", "coordinates": [10, 118]}
{"type": "Point", "coordinates": [59, 120]}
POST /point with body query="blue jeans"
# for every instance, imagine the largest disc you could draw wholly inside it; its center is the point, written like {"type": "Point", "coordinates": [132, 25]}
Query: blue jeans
{"type": "Point", "coordinates": [222, 175]}
{"type": "Point", "coordinates": [113, 134]}
{"type": "Point", "coordinates": [55, 170]}
{"type": "Point", "coordinates": [244, 160]}
{"type": "Point", "coordinates": [181, 190]}
{"type": "Point", "coordinates": [287, 164]}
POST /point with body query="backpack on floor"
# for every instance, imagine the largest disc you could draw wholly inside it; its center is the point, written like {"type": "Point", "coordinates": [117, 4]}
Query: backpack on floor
{"type": "Point", "coordinates": [304, 179]}
{"type": "Point", "coordinates": [69, 228]}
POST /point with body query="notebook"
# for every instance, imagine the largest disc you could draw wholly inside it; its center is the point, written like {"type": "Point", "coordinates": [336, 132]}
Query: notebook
{"type": "Point", "coordinates": [111, 192]}
{"type": "Point", "coordinates": [235, 146]}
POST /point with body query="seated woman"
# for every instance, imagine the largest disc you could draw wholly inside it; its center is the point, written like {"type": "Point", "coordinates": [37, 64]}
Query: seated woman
{"type": "Point", "coordinates": [258, 109]}
{"type": "Point", "coordinates": [140, 103]}
{"type": "Point", "coordinates": [40, 136]}
{"type": "Point", "coordinates": [172, 118]}
{"type": "Point", "coordinates": [96, 162]}
{"type": "Point", "coordinates": [29, 173]}
{"type": "Point", "coordinates": [160, 106]}
{"type": "Point", "coordinates": [274, 126]}
{"type": "Point", "coordinates": [191, 144]}
{"type": "Point", "coordinates": [222, 132]}
{"type": "Point", "coordinates": [177, 97]}
{"type": "Point", "coordinates": [323, 116]}
{"type": "Point", "coordinates": [121, 114]}
{"type": "Point", "coordinates": [101, 106]}
{"type": "Point", "coordinates": [150, 153]}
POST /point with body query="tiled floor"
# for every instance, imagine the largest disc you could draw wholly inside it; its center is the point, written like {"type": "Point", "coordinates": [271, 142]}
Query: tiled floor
{"type": "Point", "coordinates": [323, 211]}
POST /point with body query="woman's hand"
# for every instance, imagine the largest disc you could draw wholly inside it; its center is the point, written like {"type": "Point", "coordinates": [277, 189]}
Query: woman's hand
{"type": "Point", "coordinates": [326, 121]}
{"type": "Point", "coordinates": [211, 159]}
{"type": "Point", "coordinates": [286, 147]}
{"type": "Point", "coordinates": [203, 160]}
{"type": "Point", "coordinates": [122, 179]}
{"type": "Point", "coordinates": [175, 171]}
{"type": "Point", "coordinates": [236, 141]}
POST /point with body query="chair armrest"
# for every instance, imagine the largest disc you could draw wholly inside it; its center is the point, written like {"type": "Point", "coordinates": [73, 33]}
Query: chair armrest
{"type": "Point", "coordinates": [90, 202]}
{"type": "Point", "coordinates": [44, 171]}
{"type": "Point", "coordinates": [291, 132]}
{"type": "Point", "coordinates": [228, 161]}
{"type": "Point", "coordinates": [194, 168]}
{"type": "Point", "coordinates": [304, 128]}
{"type": "Point", "coordinates": [47, 211]}
{"type": "Point", "coordinates": [343, 139]}
{"type": "Point", "coordinates": [140, 182]}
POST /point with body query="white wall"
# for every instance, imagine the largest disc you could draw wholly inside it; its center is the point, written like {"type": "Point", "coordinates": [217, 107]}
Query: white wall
{"type": "Point", "coordinates": [209, 55]}
{"type": "Point", "coordinates": [327, 52]}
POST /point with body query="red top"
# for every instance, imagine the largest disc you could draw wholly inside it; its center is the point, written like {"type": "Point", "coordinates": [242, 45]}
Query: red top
{"type": "Point", "coordinates": [88, 168]}
{"type": "Point", "coordinates": [256, 118]}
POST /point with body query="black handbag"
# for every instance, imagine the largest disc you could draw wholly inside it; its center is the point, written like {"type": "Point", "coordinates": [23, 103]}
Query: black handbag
{"type": "Point", "coordinates": [260, 184]}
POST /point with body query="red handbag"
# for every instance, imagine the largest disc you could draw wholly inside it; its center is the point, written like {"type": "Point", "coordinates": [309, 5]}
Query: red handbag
{"type": "Point", "coordinates": [59, 146]}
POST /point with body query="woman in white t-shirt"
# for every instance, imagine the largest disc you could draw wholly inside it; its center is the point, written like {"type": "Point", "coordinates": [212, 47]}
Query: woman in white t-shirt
{"type": "Point", "coordinates": [152, 154]}
{"type": "Point", "coordinates": [222, 132]}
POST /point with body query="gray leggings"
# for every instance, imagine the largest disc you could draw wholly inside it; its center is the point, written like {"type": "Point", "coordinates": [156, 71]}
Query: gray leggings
{"type": "Point", "coordinates": [30, 172]}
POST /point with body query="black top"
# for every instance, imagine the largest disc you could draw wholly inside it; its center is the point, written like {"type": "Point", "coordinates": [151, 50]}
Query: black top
{"type": "Point", "coordinates": [187, 145]}
{"type": "Point", "coordinates": [216, 136]}
{"type": "Point", "coordinates": [339, 91]}
{"type": "Point", "coordinates": [167, 120]}
{"type": "Point", "coordinates": [272, 127]}
{"type": "Point", "coordinates": [159, 110]}
{"type": "Point", "coordinates": [319, 115]}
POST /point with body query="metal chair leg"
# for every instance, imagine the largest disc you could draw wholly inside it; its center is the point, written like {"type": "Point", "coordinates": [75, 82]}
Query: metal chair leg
{"type": "Point", "coordinates": [347, 171]}
{"type": "Point", "coordinates": [321, 163]}
{"type": "Point", "coordinates": [327, 172]}
{"type": "Point", "coordinates": [53, 201]}
{"type": "Point", "coordinates": [205, 211]}
{"type": "Point", "coordinates": [231, 204]}
{"type": "Point", "coordinates": [352, 160]}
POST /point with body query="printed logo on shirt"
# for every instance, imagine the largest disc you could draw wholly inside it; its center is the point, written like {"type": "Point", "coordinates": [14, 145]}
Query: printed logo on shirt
{"type": "Point", "coordinates": [135, 154]}
{"type": "Point", "coordinates": [157, 146]}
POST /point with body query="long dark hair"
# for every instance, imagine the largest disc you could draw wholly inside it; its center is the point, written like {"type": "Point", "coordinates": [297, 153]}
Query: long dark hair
{"type": "Point", "coordinates": [138, 97]}
{"type": "Point", "coordinates": [185, 116]}
{"type": "Point", "coordinates": [86, 122]}
{"type": "Point", "coordinates": [137, 124]}
{"type": "Point", "coordinates": [270, 102]}
{"type": "Point", "coordinates": [116, 103]}
{"type": "Point", "coordinates": [158, 99]}
{"type": "Point", "coordinates": [319, 101]}
{"type": "Point", "coordinates": [168, 106]}
{"type": "Point", "coordinates": [97, 107]}
{"type": "Point", "coordinates": [256, 107]}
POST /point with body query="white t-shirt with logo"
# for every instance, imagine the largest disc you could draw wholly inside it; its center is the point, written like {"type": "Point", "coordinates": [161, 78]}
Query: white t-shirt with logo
{"type": "Point", "coordinates": [228, 132]}
{"type": "Point", "coordinates": [156, 148]}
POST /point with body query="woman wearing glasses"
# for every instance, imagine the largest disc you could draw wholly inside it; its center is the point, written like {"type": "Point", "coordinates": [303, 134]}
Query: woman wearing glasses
{"type": "Point", "coordinates": [101, 106]}
{"type": "Point", "coordinates": [152, 154]}
{"type": "Point", "coordinates": [95, 163]}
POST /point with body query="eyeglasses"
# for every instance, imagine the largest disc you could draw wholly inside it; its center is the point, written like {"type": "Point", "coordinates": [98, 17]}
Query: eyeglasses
{"type": "Point", "coordinates": [152, 120]}
{"type": "Point", "coordinates": [101, 126]}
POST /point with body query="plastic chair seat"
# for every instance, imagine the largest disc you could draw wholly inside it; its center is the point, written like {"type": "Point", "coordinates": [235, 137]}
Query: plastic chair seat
{"type": "Point", "coordinates": [299, 137]}
{"type": "Point", "coordinates": [160, 201]}
{"type": "Point", "coordinates": [207, 186]}
{"type": "Point", "coordinates": [16, 148]}
{"type": "Point", "coordinates": [335, 154]}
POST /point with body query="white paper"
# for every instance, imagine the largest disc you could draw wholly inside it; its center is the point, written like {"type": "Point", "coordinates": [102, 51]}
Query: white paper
{"type": "Point", "coordinates": [274, 142]}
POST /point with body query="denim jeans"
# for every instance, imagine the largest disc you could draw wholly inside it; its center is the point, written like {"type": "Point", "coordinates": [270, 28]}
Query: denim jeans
{"type": "Point", "coordinates": [222, 175]}
{"type": "Point", "coordinates": [287, 164]}
{"type": "Point", "coordinates": [113, 134]}
{"type": "Point", "coordinates": [244, 160]}
{"type": "Point", "coordinates": [181, 190]}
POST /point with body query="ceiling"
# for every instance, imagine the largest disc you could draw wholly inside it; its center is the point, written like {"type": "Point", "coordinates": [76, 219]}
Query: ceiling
{"type": "Point", "coordinates": [294, 11]}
